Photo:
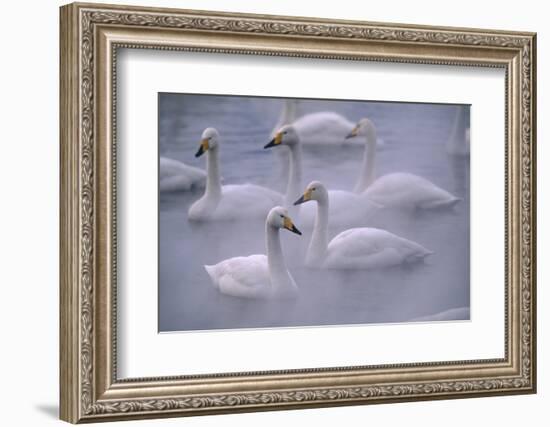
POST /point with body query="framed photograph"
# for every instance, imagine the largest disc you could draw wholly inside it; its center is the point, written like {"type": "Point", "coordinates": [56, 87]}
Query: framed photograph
{"type": "Point", "coordinates": [268, 212]}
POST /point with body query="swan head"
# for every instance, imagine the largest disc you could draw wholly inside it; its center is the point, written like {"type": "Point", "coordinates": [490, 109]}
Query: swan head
{"type": "Point", "coordinates": [364, 127]}
{"type": "Point", "coordinates": [209, 141]}
{"type": "Point", "coordinates": [314, 191]}
{"type": "Point", "coordinates": [286, 135]}
{"type": "Point", "coordinates": [278, 218]}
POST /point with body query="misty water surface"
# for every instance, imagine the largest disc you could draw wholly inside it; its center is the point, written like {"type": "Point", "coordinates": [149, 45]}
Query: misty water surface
{"type": "Point", "coordinates": [415, 137]}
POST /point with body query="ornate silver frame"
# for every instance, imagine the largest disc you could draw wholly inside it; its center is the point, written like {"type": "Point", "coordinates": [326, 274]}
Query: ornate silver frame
{"type": "Point", "coordinates": [90, 36]}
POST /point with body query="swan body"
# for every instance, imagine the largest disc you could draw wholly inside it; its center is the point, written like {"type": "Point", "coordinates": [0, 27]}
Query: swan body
{"type": "Point", "coordinates": [226, 202]}
{"type": "Point", "coordinates": [243, 277]}
{"type": "Point", "coordinates": [400, 189]}
{"type": "Point", "coordinates": [346, 207]}
{"type": "Point", "coordinates": [177, 176]}
{"type": "Point", "coordinates": [356, 248]}
{"type": "Point", "coordinates": [323, 128]}
{"type": "Point", "coordinates": [258, 276]}
{"type": "Point", "coordinates": [229, 205]}
{"type": "Point", "coordinates": [371, 248]}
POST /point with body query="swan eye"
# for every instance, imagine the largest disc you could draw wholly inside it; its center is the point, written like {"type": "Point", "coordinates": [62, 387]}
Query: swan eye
{"type": "Point", "coordinates": [282, 216]}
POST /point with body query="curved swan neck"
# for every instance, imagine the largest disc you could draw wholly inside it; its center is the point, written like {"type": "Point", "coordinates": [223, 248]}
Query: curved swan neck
{"type": "Point", "coordinates": [368, 169]}
{"type": "Point", "coordinates": [318, 245]}
{"type": "Point", "coordinates": [213, 178]}
{"type": "Point", "coordinates": [280, 278]}
{"type": "Point", "coordinates": [294, 185]}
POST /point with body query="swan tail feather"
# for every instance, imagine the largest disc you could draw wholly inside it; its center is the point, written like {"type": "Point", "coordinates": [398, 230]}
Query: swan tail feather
{"type": "Point", "coordinates": [211, 270]}
{"type": "Point", "coordinates": [419, 255]}
{"type": "Point", "coordinates": [454, 201]}
{"type": "Point", "coordinates": [443, 204]}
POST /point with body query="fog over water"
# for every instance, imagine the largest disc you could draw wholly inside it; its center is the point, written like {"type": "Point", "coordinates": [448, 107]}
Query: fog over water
{"type": "Point", "coordinates": [415, 138]}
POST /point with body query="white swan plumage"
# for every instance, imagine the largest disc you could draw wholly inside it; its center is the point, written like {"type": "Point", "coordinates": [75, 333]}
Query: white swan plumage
{"type": "Point", "coordinates": [258, 276]}
{"type": "Point", "coordinates": [226, 202]}
{"type": "Point", "coordinates": [346, 207]}
{"type": "Point", "coordinates": [356, 248]}
{"type": "Point", "coordinates": [178, 176]}
{"type": "Point", "coordinates": [323, 128]}
{"type": "Point", "coordinates": [318, 128]}
{"type": "Point", "coordinates": [400, 189]}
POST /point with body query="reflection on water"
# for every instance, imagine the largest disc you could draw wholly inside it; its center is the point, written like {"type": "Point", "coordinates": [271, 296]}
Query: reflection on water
{"type": "Point", "coordinates": [415, 138]}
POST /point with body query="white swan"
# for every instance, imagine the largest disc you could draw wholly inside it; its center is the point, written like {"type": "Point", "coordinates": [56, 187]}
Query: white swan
{"type": "Point", "coordinates": [177, 176]}
{"type": "Point", "coordinates": [347, 208]}
{"type": "Point", "coordinates": [228, 202]}
{"type": "Point", "coordinates": [398, 189]}
{"type": "Point", "coordinates": [319, 128]}
{"type": "Point", "coordinates": [356, 248]}
{"type": "Point", "coordinates": [258, 276]}
{"type": "Point", "coordinates": [323, 128]}
{"type": "Point", "coordinates": [288, 137]}
{"type": "Point", "coordinates": [459, 140]}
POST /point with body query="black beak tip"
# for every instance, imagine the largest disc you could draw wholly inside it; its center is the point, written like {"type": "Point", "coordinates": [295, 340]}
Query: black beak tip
{"type": "Point", "coordinates": [270, 144]}
{"type": "Point", "coordinates": [199, 153]}
{"type": "Point", "coordinates": [299, 201]}
{"type": "Point", "coordinates": [295, 230]}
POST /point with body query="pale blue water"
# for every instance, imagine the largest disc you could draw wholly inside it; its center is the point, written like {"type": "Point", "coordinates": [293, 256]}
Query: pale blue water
{"type": "Point", "coordinates": [415, 138]}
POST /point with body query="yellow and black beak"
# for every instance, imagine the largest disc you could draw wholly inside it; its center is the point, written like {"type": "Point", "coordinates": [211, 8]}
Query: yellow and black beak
{"type": "Point", "coordinates": [305, 197]}
{"type": "Point", "coordinates": [275, 141]}
{"type": "Point", "coordinates": [290, 226]}
{"type": "Point", "coordinates": [353, 132]}
{"type": "Point", "coordinates": [202, 148]}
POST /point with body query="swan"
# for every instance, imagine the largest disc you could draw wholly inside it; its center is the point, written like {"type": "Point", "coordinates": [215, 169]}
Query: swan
{"type": "Point", "coordinates": [226, 202]}
{"type": "Point", "coordinates": [258, 276]}
{"type": "Point", "coordinates": [355, 248]}
{"type": "Point", "coordinates": [288, 137]}
{"type": "Point", "coordinates": [398, 189]}
{"type": "Point", "coordinates": [321, 128]}
{"type": "Point", "coordinates": [459, 141]}
{"type": "Point", "coordinates": [177, 176]}
{"type": "Point", "coordinates": [318, 128]}
{"type": "Point", "coordinates": [347, 208]}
